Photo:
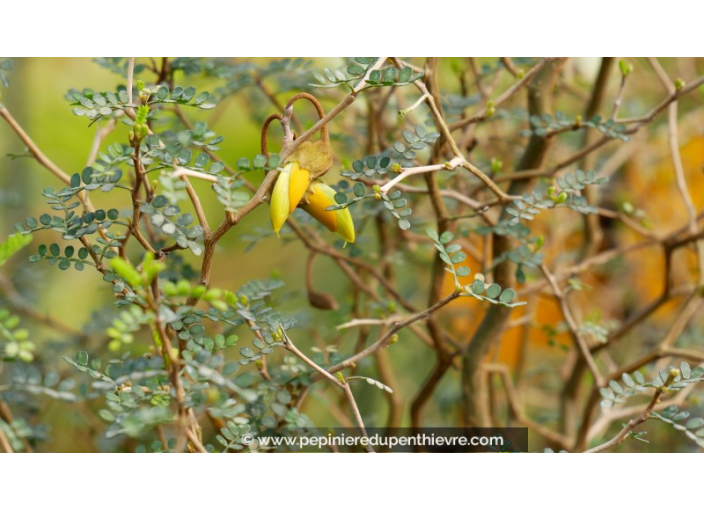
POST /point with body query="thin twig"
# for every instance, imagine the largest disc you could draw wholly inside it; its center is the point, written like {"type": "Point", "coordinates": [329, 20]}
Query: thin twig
{"type": "Point", "coordinates": [383, 341]}
{"type": "Point", "coordinates": [632, 424]}
{"type": "Point", "coordinates": [574, 327]}
{"type": "Point", "coordinates": [407, 172]}
{"type": "Point", "coordinates": [5, 443]}
{"type": "Point", "coordinates": [340, 383]}
{"type": "Point", "coordinates": [510, 92]}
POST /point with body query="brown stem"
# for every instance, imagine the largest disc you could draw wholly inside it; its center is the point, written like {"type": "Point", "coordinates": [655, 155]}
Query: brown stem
{"type": "Point", "coordinates": [318, 108]}
{"type": "Point", "coordinates": [632, 424]}
{"type": "Point", "coordinates": [489, 330]}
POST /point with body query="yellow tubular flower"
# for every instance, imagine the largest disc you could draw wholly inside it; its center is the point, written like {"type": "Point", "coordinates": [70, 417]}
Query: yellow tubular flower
{"type": "Point", "coordinates": [321, 196]}
{"type": "Point", "coordinates": [290, 187]}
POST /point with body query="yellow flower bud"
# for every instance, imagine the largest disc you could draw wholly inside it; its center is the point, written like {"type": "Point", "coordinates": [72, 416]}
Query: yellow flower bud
{"type": "Point", "coordinates": [289, 190]}
{"type": "Point", "coordinates": [321, 197]}
{"type": "Point", "coordinates": [293, 187]}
